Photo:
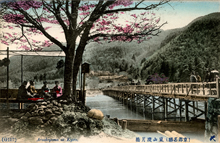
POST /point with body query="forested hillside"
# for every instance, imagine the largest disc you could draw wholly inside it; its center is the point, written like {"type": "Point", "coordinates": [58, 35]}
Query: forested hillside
{"type": "Point", "coordinates": [196, 47]}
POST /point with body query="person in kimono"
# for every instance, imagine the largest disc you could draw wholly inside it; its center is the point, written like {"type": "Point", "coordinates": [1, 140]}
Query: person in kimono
{"type": "Point", "coordinates": [57, 90]}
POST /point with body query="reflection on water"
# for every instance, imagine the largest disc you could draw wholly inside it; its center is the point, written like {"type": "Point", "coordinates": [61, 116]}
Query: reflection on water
{"type": "Point", "coordinates": [112, 107]}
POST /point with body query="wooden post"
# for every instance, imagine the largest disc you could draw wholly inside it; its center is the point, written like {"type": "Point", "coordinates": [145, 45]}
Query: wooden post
{"type": "Point", "coordinates": [180, 104]}
{"type": "Point", "coordinates": [7, 79]}
{"type": "Point", "coordinates": [205, 108]}
{"type": "Point", "coordinates": [22, 69]}
{"type": "Point", "coordinates": [84, 84]}
{"type": "Point", "coordinates": [163, 101]}
{"type": "Point", "coordinates": [124, 124]}
{"type": "Point", "coordinates": [144, 107]}
{"type": "Point", "coordinates": [218, 136]}
{"type": "Point", "coordinates": [218, 87]}
{"type": "Point", "coordinates": [166, 109]}
{"type": "Point", "coordinates": [186, 111]}
{"type": "Point", "coordinates": [153, 107]}
{"type": "Point", "coordinates": [174, 102]}
{"type": "Point", "coordinates": [194, 112]}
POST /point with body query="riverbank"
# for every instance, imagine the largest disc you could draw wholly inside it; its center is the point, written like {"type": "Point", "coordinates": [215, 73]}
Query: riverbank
{"type": "Point", "coordinates": [28, 126]}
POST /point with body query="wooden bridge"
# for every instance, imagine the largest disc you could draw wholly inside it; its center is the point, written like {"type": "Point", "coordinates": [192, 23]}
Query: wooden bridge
{"type": "Point", "coordinates": [168, 100]}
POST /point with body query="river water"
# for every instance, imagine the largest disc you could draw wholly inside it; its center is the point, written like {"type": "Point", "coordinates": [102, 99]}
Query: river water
{"type": "Point", "coordinates": [115, 108]}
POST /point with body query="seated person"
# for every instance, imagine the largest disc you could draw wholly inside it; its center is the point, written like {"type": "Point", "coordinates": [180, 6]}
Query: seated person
{"type": "Point", "coordinates": [57, 90]}
{"type": "Point", "coordinates": [45, 90]}
{"type": "Point", "coordinates": [22, 91]}
{"type": "Point", "coordinates": [31, 89]}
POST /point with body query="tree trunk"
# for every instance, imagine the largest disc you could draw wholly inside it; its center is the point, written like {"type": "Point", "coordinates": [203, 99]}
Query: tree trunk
{"type": "Point", "coordinates": [78, 60]}
{"type": "Point", "coordinates": [68, 74]}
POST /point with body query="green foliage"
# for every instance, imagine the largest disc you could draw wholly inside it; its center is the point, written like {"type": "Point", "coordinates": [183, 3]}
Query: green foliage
{"type": "Point", "coordinates": [195, 48]}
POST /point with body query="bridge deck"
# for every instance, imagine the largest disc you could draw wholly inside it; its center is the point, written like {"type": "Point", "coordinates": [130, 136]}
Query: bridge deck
{"type": "Point", "coordinates": [194, 91]}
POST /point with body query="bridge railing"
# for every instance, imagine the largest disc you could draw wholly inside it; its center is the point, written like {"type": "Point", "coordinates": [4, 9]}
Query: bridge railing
{"type": "Point", "coordinates": [208, 89]}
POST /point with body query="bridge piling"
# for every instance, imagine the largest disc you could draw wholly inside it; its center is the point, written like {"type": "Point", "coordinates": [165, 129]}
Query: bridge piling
{"type": "Point", "coordinates": [186, 111]}
{"type": "Point", "coordinates": [168, 98]}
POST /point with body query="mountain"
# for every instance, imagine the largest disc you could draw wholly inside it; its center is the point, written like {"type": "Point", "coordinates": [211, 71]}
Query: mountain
{"type": "Point", "coordinates": [119, 57]}
{"type": "Point", "coordinates": [32, 66]}
{"type": "Point", "coordinates": [191, 48]}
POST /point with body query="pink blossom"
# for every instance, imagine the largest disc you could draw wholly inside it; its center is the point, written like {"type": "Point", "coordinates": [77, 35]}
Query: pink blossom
{"type": "Point", "coordinates": [47, 43]}
{"type": "Point", "coordinates": [125, 3]}
{"type": "Point", "coordinates": [51, 16]}
{"type": "Point", "coordinates": [143, 13]}
{"type": "Point", "coordinates": [4, 42]}
{"type": "Point", "coordinates": [6, 37]}
{"type": "Point", "coordinates": [34, 41]}
{"type": "Point", "coordinates": [157, 20]}
{"type": "Point", "coordinates": [47, 27]}
{"type": "Point", "coordinates": [98, 20]}
{"type": "Point", "coordinates": [24, 47]}
{"type": "Point", "coordinates": [86, 7]}
{"type": "Point", "coordinates": [14, 18]}
{"type": "Point", "coordinates": [137, 25]}
{"type": "Point", "coordinates": [114, 18]}
{"type": "Point", "coordinates": [96, 39]}
{"type": "Point", "coordinates": [9, 35]}
{"type": "Point", "coordinates": [10, 27]}
{"type": "Point", "coordinates": [23, 40]}
{"type": "Point", "coordinates": [153, 13]}
{"type": "Point", "coordinates": [84, 13]}
{"type": "Point", "coordinates": [110, 14]}
{"type": "Point", "coordinates": [134, 15]}
{"type": "Point", "coordinates": [149, 37]}
{"type": "Point", "coordinates": [25, 4]}
{"type": "Point", "coordinates": [46, 9]}
{"type": "Point", "coordinates": [105, 22]}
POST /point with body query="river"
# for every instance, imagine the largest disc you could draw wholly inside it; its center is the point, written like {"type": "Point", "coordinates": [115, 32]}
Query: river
{"type": "Point", "coordinates": [115, 108]}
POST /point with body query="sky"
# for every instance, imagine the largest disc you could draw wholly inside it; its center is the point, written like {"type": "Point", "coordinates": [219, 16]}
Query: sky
{"type": "Point", "coordinates": [177, 14]}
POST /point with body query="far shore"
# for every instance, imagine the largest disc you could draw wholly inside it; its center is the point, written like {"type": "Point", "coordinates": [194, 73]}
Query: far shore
{"type": "Point", "coordinates": [93, 92]}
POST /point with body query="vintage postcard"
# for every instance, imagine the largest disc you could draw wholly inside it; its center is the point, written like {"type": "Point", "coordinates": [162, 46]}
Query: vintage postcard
{"type": "Point", "coordinates": [109, 71]}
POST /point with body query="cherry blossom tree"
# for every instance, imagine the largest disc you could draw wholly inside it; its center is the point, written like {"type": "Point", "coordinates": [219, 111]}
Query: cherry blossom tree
{"type": "Point", "coordinates": [92, 21]}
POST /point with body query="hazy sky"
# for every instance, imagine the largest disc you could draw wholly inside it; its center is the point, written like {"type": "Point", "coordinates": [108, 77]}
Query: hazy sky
{"type": "Point", "coordinates": [177, 14]}
{"type": "Point", "coordinates": [182, 13]}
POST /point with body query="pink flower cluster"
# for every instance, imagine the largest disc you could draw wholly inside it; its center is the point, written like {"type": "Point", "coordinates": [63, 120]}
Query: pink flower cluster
{"type": "Point", "coordinates": [86, 7]}
{"type": "Point", "coordinates": [14, 18]}
{"type": "Point", "coordinates": [47, 43]}
{"type": "Point", "coordinates": [43, 19]}
{"type": "Point", "coordinates": [125, 3]}
{"type": "Point", "coordinates": [4, 42]}
{"type": "Point", "coordinates": [103, 22]}
{"type": "Point", "coordinates": [25, 5]}
{"type": "Point", "coordinates": [84, 13]}
{"type": "Point", "coordinates": [24, 47]}
{"type": "Point", "coordinates": [126, 29]}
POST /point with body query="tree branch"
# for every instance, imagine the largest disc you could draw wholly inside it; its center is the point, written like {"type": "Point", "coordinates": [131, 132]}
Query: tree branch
{"type": "Point", "coordinates": [149, 32]}
{"type": "Point", "coordinates": [152, 6]}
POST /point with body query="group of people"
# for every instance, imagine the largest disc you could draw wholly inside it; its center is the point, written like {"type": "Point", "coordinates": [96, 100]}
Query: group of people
{"type": "Point", "coordinates": [209, 76]}
{"type": "Point", "coordinates": [31, 92]}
